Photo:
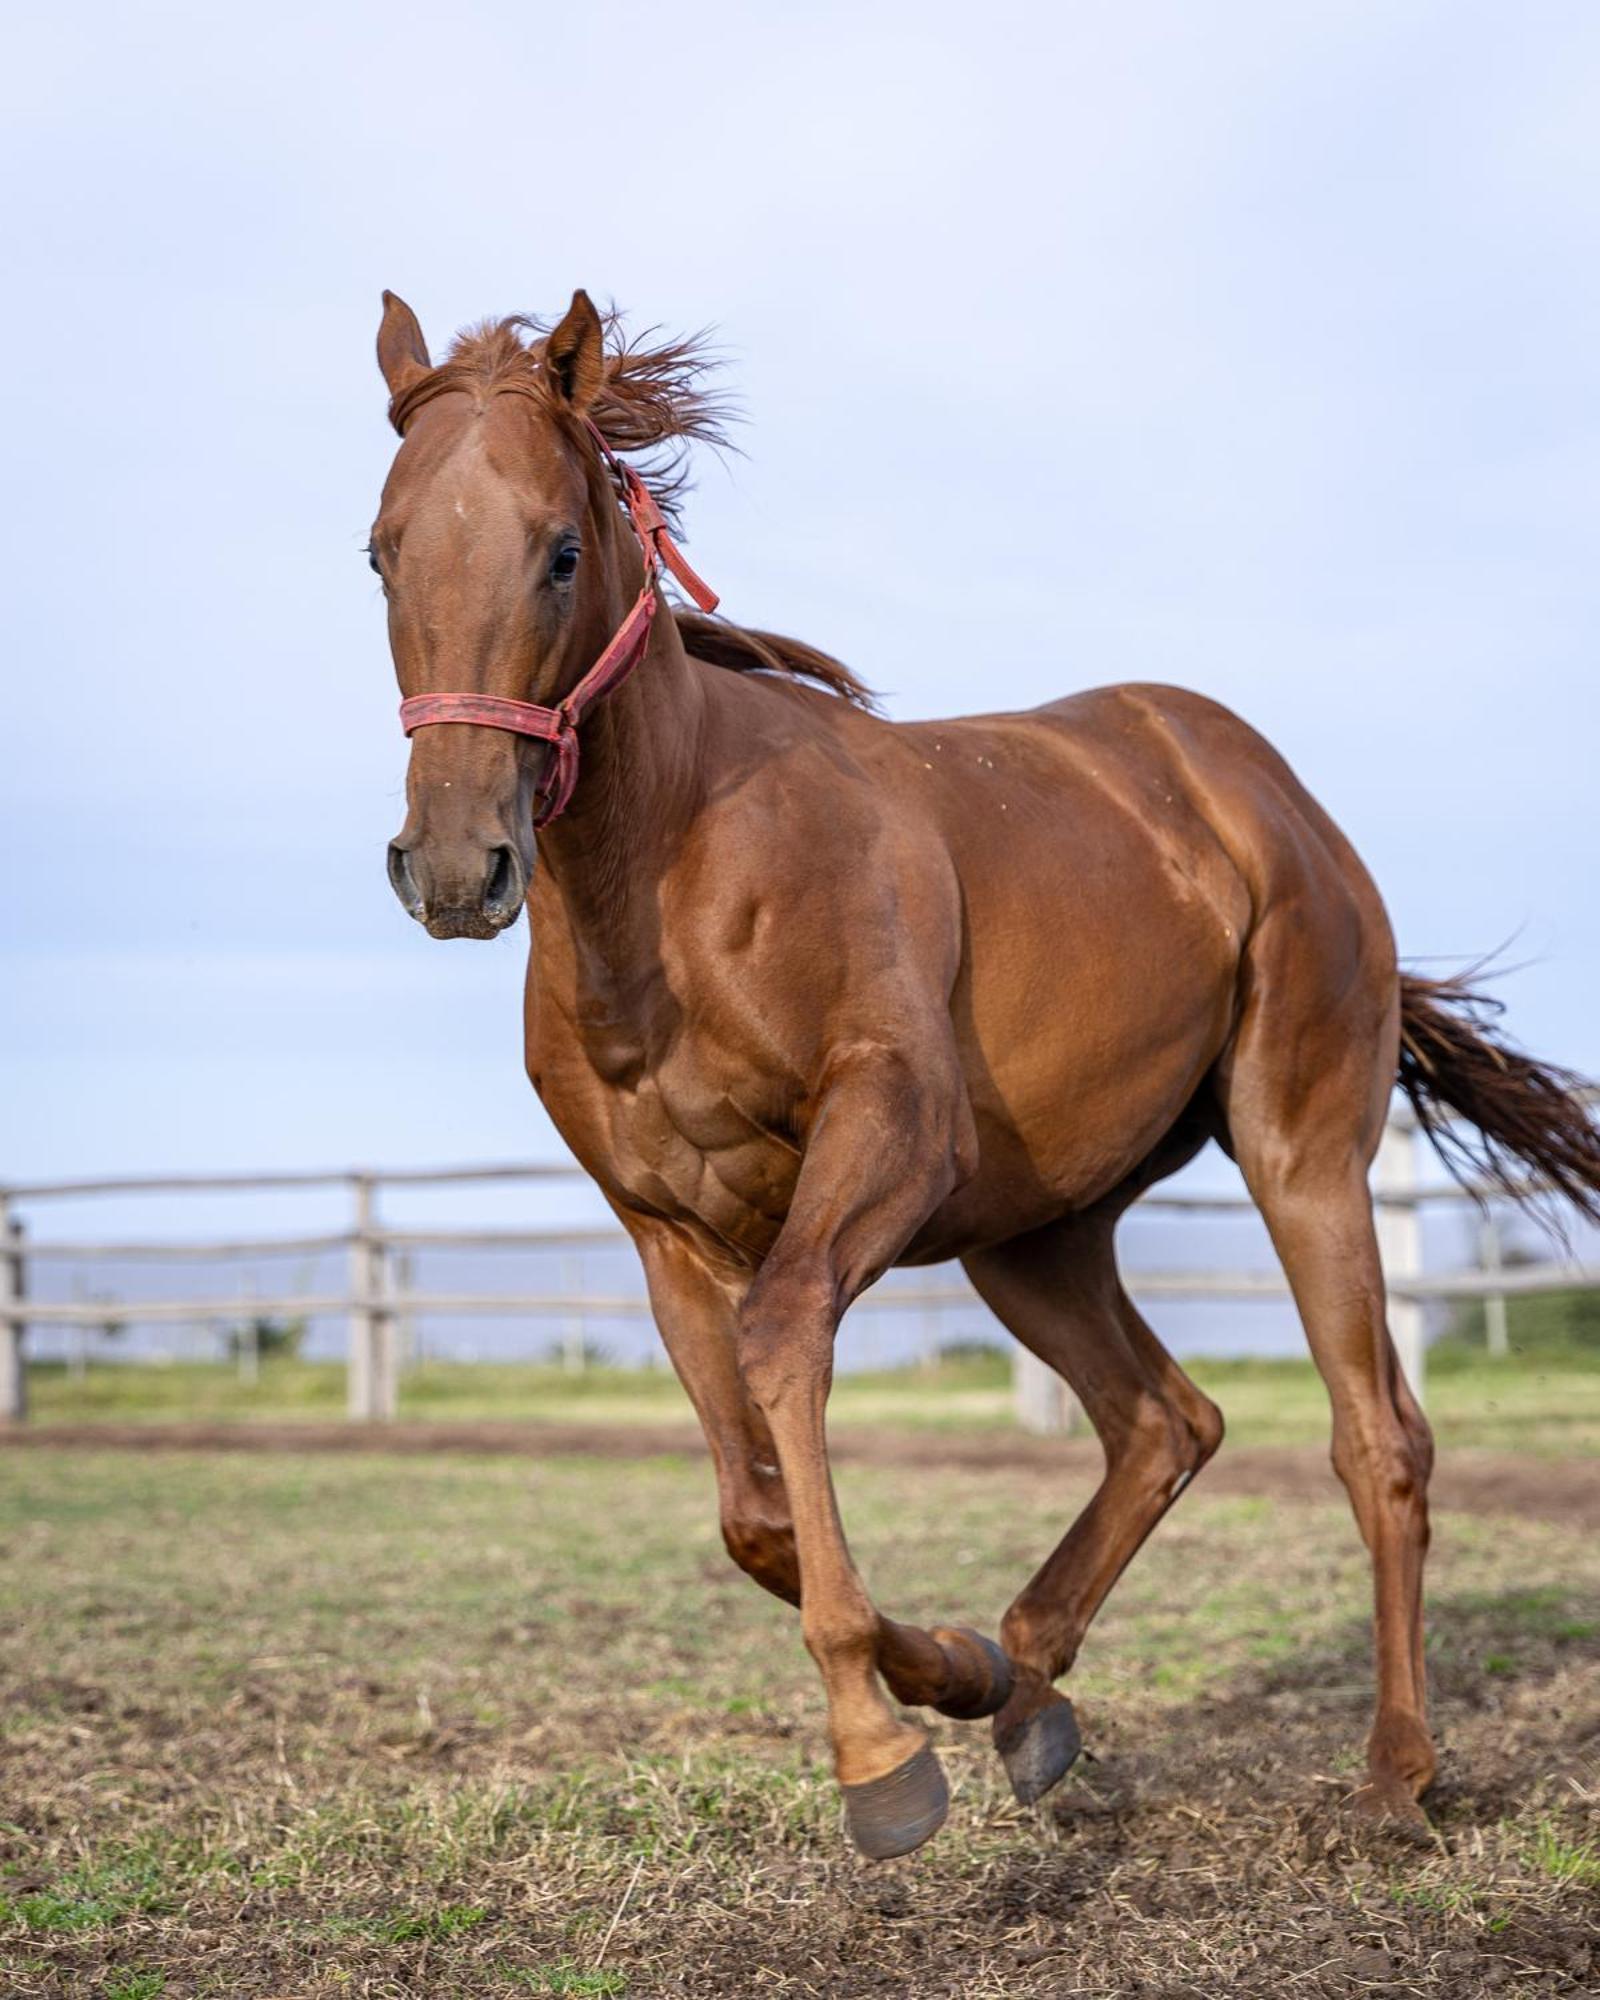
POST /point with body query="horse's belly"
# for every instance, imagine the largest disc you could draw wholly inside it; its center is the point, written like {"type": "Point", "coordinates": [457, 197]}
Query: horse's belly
{"type": "Point", "coordinates": [1066, 1159]}
{"type": "Point", "coordinates": [1095, 1005]}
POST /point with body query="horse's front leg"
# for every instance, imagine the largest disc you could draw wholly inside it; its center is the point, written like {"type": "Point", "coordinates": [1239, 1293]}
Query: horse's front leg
{"type": "Point", "coordinates": [887, 1144]}
{"type": "Point", "coordinates": [696, 1309]}
{"type": "Point", "coordinates": [696, 1306]}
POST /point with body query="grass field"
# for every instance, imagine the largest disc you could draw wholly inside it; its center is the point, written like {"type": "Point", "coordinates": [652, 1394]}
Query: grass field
{"type": "Point", "coordinates": [1546, 1400]}
{"type": "Point", "coordinates": [299, 1725]}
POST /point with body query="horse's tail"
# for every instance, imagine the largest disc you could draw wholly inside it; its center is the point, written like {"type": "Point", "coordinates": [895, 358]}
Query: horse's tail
{"type": "Point", "coordinates": [1530, 1117]}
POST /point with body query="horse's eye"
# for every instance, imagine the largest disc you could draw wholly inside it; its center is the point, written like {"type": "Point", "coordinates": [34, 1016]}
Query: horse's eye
{"type": "Point", "coordinates": [372, 560]}
{"type": "Point", "coordinates": [564, 565]}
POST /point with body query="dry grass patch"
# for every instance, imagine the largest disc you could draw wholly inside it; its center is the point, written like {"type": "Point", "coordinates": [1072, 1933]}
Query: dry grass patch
{"type": "Point", "coordinates": [377, 1726]}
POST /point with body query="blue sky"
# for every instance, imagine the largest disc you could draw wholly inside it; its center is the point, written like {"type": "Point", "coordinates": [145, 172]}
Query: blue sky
{"type": "Point", "coordinates": [1245, 346]}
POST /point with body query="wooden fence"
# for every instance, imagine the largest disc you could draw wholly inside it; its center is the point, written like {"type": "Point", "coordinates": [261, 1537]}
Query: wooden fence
{"type": "Point", "coordinates": [375, 1297]}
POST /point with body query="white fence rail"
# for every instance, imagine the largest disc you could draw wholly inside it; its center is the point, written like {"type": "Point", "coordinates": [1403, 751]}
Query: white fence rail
{"type": "Point", "coordinates": [377, 1299]}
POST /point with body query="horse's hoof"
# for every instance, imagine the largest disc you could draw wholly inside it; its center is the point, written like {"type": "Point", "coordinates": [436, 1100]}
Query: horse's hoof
{"type": "Point", "coordinates": [1041, 1750]}
{"type": "Point", "coordinates": [994, 1689]}
{"type": "Point", "coordinates": [898, 1812]}
{"type": "Point", "coordinates": [1387, 1806]}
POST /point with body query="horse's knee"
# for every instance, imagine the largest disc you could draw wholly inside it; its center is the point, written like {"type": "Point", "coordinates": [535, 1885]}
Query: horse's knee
{"type": "Point", "coordinates": [763, 1547]}
{"type": "Point", "coordinates": [785, 1334]}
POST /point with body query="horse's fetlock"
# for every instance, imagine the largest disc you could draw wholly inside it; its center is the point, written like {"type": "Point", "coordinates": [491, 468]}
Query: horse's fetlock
{"type": "Point", "coordinates": [1026, 1642]}
{"type": "Point", "coordinates": [1401, 1747]}
{"type": "Point", "coordinates": [841, 1634]}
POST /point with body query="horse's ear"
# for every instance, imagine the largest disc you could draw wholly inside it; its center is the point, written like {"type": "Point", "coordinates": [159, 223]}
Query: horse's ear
{"type": "Point", "coordinates": [402, 351]}
{"type": "Point", "coordinates": [575, 353]}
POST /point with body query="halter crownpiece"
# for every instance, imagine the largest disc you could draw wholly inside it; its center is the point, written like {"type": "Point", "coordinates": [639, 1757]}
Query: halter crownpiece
{"type": "Point", "coordinates": [624, 650]}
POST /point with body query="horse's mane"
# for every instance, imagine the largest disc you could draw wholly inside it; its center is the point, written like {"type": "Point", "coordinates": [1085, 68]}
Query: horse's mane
{"type": "Point", "coordinates": [721, 643]}
{"type": "Point", "coordinates": [655, 403]}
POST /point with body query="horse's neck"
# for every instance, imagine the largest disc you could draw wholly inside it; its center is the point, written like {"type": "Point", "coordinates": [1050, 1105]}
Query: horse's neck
{"type": "Point", "coordinates": [638, 788]}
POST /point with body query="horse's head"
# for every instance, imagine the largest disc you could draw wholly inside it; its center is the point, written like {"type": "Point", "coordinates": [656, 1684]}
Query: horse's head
{"type": "Point", "coordinates": [497, 547]}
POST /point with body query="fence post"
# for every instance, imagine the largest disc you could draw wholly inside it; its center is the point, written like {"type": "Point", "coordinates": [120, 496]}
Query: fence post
{"type": "Point", "coordinates": [13, 1288]}
{"type": "Point", "coordinates": [408, 1345]}
{"type": "Point", "coordinates": [1043, 1402]}
{"type": "Point", "coordinates": [371, 1384]}
{"type": "Point", "coordinates": [1400, 1244]}
{"type": "Point", "coordinates": [1495, 1326]}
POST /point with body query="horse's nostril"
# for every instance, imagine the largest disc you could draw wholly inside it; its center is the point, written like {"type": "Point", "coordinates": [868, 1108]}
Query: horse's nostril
{"type": "Point", "coordinates": [404, 883]}
{"type": "Point", "coordinates": [502, 892]}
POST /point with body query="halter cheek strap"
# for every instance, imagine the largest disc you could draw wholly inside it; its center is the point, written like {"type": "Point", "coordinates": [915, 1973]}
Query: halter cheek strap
{"type": "Point", "coordinates": [624, 650]}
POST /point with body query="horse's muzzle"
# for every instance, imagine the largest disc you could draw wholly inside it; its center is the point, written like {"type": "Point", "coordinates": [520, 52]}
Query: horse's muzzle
{"type": "Point", "coordinates": [462, 892]}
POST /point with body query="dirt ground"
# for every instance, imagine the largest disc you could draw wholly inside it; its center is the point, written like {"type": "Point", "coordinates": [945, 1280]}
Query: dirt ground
{"type": "Point", "coordinates": [371, 1719]}
{"type": "Point", "coordinates": [1477, 1482]}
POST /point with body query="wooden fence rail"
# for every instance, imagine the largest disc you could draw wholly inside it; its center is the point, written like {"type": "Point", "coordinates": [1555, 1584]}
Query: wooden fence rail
{"type": "Point", "coordinates": [378, 1298]}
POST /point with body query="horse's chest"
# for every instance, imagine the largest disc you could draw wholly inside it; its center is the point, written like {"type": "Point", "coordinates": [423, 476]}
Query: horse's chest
{"type": "Point", "coordinates": [694, 1138]}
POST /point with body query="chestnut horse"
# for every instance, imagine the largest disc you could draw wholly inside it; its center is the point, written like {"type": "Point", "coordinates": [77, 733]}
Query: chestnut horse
{"type": "Point", "coordinates": [811, 993]}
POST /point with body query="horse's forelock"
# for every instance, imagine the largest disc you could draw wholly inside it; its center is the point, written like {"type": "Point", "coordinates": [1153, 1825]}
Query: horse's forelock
{"type": "Point", "coordinates": [657, 399]}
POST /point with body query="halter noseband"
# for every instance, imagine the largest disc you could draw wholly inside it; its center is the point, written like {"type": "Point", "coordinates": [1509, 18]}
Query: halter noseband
{"type": "Point", "coordinates": [558, 726]}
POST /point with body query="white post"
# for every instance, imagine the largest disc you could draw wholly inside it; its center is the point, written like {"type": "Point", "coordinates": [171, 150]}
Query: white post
{"type": "Point", "coordinates": [1043, 1402]}
{"type": "Point", "coordinates": [1494, 1307]}
{"type": "Point", "coordinates": [13, 1288]}
{"type": "Point", "coordinates": [1400, 1244]}
{"type": "Point", "coordinates": [408, 1351]}
{"type": "Point", "coordinates": [358, 1365]}
{"type": "Point", "coordinates": [385, 1336]}
{"type": "Point", "coordinates": [386, 1361]}
{"type": "Point", "coordinates": [372, 1390]}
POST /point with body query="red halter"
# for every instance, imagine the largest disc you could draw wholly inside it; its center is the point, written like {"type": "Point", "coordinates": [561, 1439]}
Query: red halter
{"type": "Point", "coordinates": [625, 649]}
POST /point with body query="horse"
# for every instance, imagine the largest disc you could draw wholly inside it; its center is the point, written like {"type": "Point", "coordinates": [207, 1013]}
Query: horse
{"type": "Point", "coordinates": [811, 993]}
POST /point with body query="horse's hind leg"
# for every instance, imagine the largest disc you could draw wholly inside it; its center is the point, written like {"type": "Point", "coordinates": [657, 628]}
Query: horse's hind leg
{"type": "Point", "coordinates": [1305, 1107]}
{"type": "Point", "coordinates": [1382, 1450]}
{"type": "Point", "coordinates": [1058, 1291]}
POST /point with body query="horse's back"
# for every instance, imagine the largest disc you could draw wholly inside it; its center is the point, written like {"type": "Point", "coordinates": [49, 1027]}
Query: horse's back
{"type": "Point", "coordinates": [1143, 767]}
{"type": "Point", "coordinates": [1117, 850]}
